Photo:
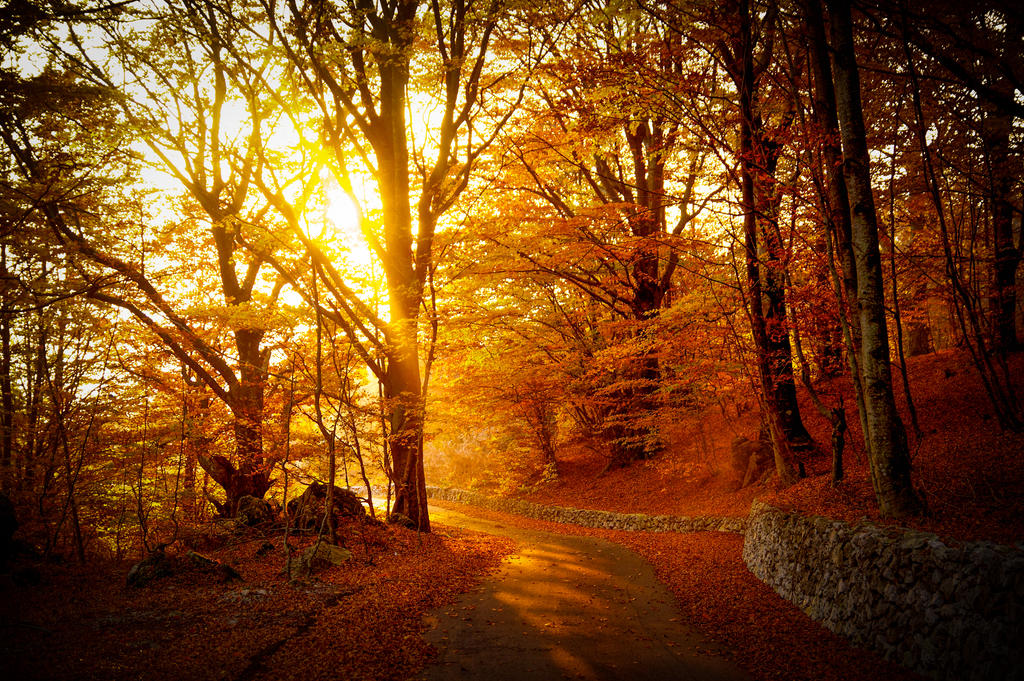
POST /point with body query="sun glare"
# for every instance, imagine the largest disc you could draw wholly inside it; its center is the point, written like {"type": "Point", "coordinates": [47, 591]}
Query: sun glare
{"type": "Point", "coordinates": [342, 211]}
{"type": "Point", "coordinates": [344, 215]}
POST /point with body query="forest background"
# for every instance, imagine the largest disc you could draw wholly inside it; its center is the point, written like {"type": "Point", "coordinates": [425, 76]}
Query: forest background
{"type": "Point", "coordinates": [251, 244]}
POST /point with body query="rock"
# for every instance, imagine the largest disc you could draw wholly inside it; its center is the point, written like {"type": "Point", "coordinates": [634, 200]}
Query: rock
{"type": "Point", "coordinates": [218, 532]}
{"type": "Point", "coordinates": [401, 520]}
{"type": "Point", "coordinates": [223, 571]}
{"type": "Point", "coordinates": [158, 565]}
{"type": "Point", "coordinates": [152, 567]}
{"type": "Point", "coordinates": [319, 556]}
{"type": "Point", "coordinates": [323, 555]}
{"type": "Point", "coordinates": [307, 510]}
{"type": "Point", "coordinates": [253, 511]}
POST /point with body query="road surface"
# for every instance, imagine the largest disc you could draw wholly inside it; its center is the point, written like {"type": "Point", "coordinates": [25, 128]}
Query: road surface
{"type": "Point", "coordinates": [567, 607]}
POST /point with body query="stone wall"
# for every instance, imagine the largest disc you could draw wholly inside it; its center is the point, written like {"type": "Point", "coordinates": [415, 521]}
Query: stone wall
{"type": "Point", "coordinates": [949, 612]}
{"type": "Point", "coordinates": [607, 520]}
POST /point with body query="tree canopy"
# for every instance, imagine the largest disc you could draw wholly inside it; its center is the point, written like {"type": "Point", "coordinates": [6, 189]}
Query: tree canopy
{"type": "Point", "coordinates": [250, 242]}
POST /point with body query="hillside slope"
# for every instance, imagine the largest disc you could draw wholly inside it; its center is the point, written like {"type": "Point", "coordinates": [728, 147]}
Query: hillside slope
{"type": "Point", "coordinates": [968, 471]}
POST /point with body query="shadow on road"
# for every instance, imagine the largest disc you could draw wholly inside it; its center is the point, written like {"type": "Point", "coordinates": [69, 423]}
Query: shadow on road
{"type": "Point", "coordinates": [567, 607]}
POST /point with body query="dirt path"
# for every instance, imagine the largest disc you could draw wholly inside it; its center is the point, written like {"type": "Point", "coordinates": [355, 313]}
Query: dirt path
{"type": "Point", "coordinates": [567, 607]}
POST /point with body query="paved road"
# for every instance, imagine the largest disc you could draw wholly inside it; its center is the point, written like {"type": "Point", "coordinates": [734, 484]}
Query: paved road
{"type": "Point", "coordinates": [567, 608]}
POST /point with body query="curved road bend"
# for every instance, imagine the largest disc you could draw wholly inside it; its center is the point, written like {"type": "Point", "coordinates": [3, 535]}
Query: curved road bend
{"type": "Point", "coordinates": [567, 607]}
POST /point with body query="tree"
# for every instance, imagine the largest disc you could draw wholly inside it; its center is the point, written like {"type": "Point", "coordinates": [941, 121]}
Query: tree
{"type": "Point", "coordinates": [181, 103]}
{"type": "Point", "coordinates": [885, 436]}
{"type": "Point", "coordinates": [604, 184]}
{"type": "Point", "coordinates": [56, 348]}
{"type": "Point", "coordinates": [977, 50]}
{"type": "Point", "coordinates": [746, 60]}
{"type": "Point", "coordinates": [965, 97]}
{"type": "Point", "coordinates": [357, 64]}
{"type": "Point", "coordinates": [834, 202]}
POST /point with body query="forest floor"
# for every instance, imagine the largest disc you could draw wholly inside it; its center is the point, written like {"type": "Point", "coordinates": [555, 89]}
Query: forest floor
{"type": "Point", "coordinates": [360, 621]}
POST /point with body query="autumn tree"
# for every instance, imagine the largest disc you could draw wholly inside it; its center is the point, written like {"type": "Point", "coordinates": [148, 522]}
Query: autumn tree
{"type": "Point", "coordinates": [359, 64]}
{"type": "Point", "coordinates": [885, 436]}
{"type": "Point", "coordinates": [961, 95]}
{"type": "Point", "coordinates": [747, 54]}
{"type": "Point", "coordinates": [57, 359]}
{"type": "Point", "coordinates": [203, 119]}
{"type": "Point", "coordinates": [606, 180]}
{"type": "Point", "coordinates": [975, 51]}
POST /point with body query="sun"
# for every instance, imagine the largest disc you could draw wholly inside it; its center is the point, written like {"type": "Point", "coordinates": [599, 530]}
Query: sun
{"type": "Point", "coordinates": [344, 215]}
{"type": "Point", "coordinates": [342, 211]}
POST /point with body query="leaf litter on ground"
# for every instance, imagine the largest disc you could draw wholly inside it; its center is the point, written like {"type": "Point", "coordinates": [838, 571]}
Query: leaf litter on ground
{"type": "Point", "coordinates": [359, 621]}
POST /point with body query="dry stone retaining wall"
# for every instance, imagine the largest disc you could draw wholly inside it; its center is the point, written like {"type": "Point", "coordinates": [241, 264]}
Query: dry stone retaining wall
{"type": "Point", "coordinates": [607, 520]}
{"type": "Point", "coordinates": [950, 612]}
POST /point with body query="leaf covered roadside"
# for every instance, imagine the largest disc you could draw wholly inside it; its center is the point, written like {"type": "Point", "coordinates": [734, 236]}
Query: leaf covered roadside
{"type": "Point", "coordinates": [358, 621]}
{"type": "Point", "coordinates": [965, 468]}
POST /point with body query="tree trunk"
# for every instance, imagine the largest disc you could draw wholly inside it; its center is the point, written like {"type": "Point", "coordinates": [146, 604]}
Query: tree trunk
{"type": "Point", "coordinates": [778, 351]}
{"type": "Point", "coordinates": [643, 441]}
{"type": "Point", "coordinates": [996, 129]}
{"type": "Point", "coordinates": [631, 434]}
{"type": "Point", "coordinates": [7, 408]}
{"type": "Point", "coordinates": [251, 476]}
{"type": "Point", "coordinates": [835, 199]}
{"type": "Point", "coordinates": [759, 199]}
{"type": "Point", "coordinates": [402, 385]}
{"type": "Point", "coordinates": [886, 437]}
{"type": "Point", "coordinates": [402, 391]}
{"type": "Point", "coordinates": [243, 480]}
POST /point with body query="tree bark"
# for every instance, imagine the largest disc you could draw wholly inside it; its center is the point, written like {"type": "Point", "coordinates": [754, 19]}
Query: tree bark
{"type": "Point", "coordinates": [762, 247]}
{"type": "Point", "coordinates": [402, 393]}
{"type": "Point", "coordinates": [885, 436]}
{"type": "Point", "coordinates": [997, 127]}
{"type": "Point", "coordinates": [402, 385]}
{"type": "Point", "coordinates": [835, 199]}
{"type": "Point", "coordinates": [7, 408]}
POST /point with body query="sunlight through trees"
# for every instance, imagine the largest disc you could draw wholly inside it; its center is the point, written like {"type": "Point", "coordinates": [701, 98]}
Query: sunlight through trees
{"type": "Point", "coordinates": [250, 244]}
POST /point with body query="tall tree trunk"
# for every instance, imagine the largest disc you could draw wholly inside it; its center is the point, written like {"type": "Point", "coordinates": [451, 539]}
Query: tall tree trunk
{"type": "Point", "coordinates": [632, 435]}
{"type": "Point", "coordinates": [402, 386]}
{"type": "Point", "coordinates": [758, 159]}
{"type": "Point", "coordinates": [7, 407]}
{"type": "Point", "coordinates": [247, 407]}
{"type": "Point", "coordinates": [886, 437]}
{"type": "Point", "coordinates": [778, 351]}
{"type": "Point", "coordinates": [402, 392]}
{"type": "Point", "coordinates": [835, 199]}
{"type": "Point", "coordinates": [997, 127]}
{"type": "Point", "coordinates": [647, 143]}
